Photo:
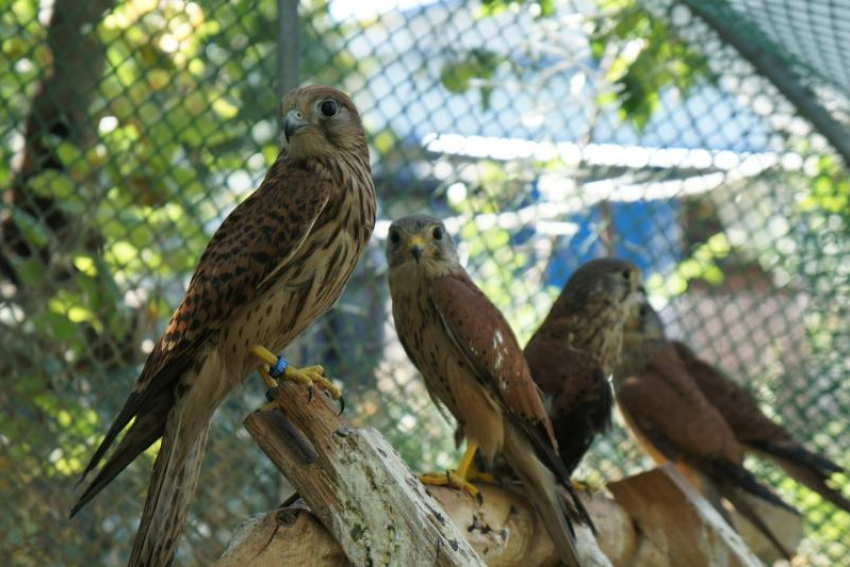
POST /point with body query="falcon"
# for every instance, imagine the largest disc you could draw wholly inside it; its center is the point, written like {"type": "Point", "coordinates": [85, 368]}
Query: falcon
{"type": "Point", "coordinates": [753, 429]}
{"type": "Point", "coordinates": [474, 367]}
{"type": "Point", "coordinates": [278, 262]}
{"type": "Point", "coordinates": [575, 350]}
{"type": "Point", "coordinates": [674, 422]}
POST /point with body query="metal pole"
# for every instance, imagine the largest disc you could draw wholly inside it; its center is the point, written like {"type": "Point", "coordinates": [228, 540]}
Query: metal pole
{"type": "Point", "coordinates": [288, 49]}
{"type": "Point", "coordinates": [777, 70]}
{"type": "Point", "coordinates": [288, 56]}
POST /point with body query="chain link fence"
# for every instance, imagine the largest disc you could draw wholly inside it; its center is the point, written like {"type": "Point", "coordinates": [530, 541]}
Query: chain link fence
{"type": "Point", "coordinates": [708, 144]}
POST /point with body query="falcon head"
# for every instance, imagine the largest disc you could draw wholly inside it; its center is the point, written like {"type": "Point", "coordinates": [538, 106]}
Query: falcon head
{"type": "Point", "coordinates": [421, 244]}
{"type": "Point", "coordinates": [608, 280]}
{"type": "Point", "coordinates": [321, 121]}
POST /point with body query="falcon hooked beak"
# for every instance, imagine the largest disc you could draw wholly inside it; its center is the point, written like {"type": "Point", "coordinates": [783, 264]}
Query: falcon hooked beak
{"type": "Point", "coordinates": [294, 123]}
{"type": "Point", "coordinates": [416, 245]}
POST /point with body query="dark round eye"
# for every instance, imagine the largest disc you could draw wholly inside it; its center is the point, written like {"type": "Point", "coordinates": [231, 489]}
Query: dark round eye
{"type": "Point", "coordinates": [328, 108]}
{"type": "Point", "coordinates": [438, 233]}
{"type": "Point", "coordinates": [627, 274]}
{"type": "Point", "coordinates": [394, 236]}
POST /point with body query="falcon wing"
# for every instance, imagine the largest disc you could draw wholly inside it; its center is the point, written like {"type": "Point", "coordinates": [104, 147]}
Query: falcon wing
{"type": "Point", "coordinates": [249, 250]}
{"type": "Point", "coordinates": [735, 403]}
{"type": "Point", "coordinates": [667, 410]}
{"type": "Point", "coordinates": [758, 432]}
{"type": "Point", "coordinates": [479, 330]}
{"type": "Point", "coordinates": [670, 412]}
{"type": "Point", "coordinates": [742, 412]}
{"type": "Point", "coordinates": [577, 392]}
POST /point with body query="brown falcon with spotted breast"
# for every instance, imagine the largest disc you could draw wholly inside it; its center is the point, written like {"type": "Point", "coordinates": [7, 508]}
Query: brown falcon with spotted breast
{"type": "Point", "coordinates": [279, 261]}
{"type": "Point", "coordinates": [755, 431]}
{"type": "Point", "coordinates": [574, 352]}
{"type": "Point", "coordinates": [674, 422]}
{"type": "Point", "coordinates": [473, 366]}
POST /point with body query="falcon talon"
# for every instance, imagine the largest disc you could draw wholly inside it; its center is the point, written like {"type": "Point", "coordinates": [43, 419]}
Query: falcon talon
{"type": "Point", "coordinates": [583, 486]}
{"type": "Point", "coordinates": [271, 393]}
{"type": "Point", "coordinates": [272, 405]}
{"type": "Point", "coordinates": [453, 479]}
{"type": "Point", "coordinates": [456, 480]}
{"type": "Point", "coordinates": [270, 369]}
{"type": "Point", "coordinates": [478, 476]}
{"type": "Point", "coordinates": [341, 406]}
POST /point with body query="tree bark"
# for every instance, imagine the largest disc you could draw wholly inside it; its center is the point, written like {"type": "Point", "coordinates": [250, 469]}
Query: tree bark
{"type": "Point", "coordinates": [362, 506]}
{"type": "Point", "coordinates": [655, 520]}
{"type": "Point", "coordinates": [357, 485]}
{"type": "Point", "coordinates": [59, 110]}
{"type": "Point", "coordinates": [503, 531]}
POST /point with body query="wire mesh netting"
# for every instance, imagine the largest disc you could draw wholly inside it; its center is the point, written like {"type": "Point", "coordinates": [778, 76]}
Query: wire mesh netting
{"type": "Point", "coordinates": [546, 133]}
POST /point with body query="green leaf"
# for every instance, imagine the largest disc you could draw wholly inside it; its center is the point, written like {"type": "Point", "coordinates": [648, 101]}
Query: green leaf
{"type": "Point", "coordinates": [31, 271]}
{"type": "Point", "coordinates": [86, 264]}
{"type": "Point", "coordinates": [32, 228]}
{"type": "Point", "coordinates": [479, 64]}
{"type": "Point", "coordinates": [55, 184]}
{"type": "Point", "coordinates": [121, 253]}
{"type": "Point", "coordinates": [58, 326]}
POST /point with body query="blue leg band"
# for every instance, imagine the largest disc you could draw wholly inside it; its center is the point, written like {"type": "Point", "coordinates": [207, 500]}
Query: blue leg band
{"type": "Point", "coordinates": [279, 368]}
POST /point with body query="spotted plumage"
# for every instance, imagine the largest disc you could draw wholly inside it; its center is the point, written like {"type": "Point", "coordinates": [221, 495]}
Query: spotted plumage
{"type": "Point", "coordinates": [675, 422]}
{"type": "Point", "coordinates": [472, 364]}
{"type": "Point", "coordinates": [754, 430]}
{"type": "Point", "coordinates": [575, 350]}
{"type": "Point", "coordinates": [277, 262]}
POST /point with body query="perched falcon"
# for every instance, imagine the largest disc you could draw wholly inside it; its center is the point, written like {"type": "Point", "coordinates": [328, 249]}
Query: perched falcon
{"type": "Point", "coordinates": [575, 350]}
{"type": "Point", "coordinates": [473, 366]}
{"type": "Point", "coordinates": [674, 422]}
{"type": "Point", "coordinates": [753, 429]}
{"type": "Point", "coordinates": [278, 261]}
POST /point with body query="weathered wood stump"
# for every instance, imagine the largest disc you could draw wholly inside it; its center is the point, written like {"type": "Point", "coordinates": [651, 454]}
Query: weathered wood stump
{"type": "Point", "coordinates": [356, 485]}
{"type": "Point", "coordinates": [362, 505]}
{"type": "Point", "coordinates": [365, 503]}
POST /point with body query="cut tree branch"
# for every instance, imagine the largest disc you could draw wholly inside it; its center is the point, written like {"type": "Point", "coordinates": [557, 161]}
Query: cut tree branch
{"type": "Point", "coordinates": [361, 505]}
{"type": "Point", "coordinates": [357, 485]}
{"type": "Point", "coordinates": [503, 530]}
{"type": "Point", "coordinates": [377, 511]}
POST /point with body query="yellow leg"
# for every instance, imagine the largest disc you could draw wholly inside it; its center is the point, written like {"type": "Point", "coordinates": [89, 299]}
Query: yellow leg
{"type": "Point", "coordinates": [309, 375]}
{"type": "Point", "coordinates": [467, 459]}
{"type": "Point", "coordinates": [583, 485]}
{"type": "Point", "coordinates": [462, 477]}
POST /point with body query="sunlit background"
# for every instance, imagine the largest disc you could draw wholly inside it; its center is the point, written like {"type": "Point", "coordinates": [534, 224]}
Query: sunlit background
{"type": "Point", "coordinates": [546, 132]}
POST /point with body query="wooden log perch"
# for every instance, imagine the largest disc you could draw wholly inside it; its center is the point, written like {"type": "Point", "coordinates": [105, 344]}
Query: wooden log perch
{"type": "Point", "coordinates": [786, 525]}
{"type": "Point", "coordinates": [362, 506]}
{"type": "Point", "coordinates": [679, 526]}
{"type": "Point", "coordinates": [356, 485]}
{"type": "Point", "coordinates": [365, 504]}
{"type": "Point", "coordinates": [503, 530]}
